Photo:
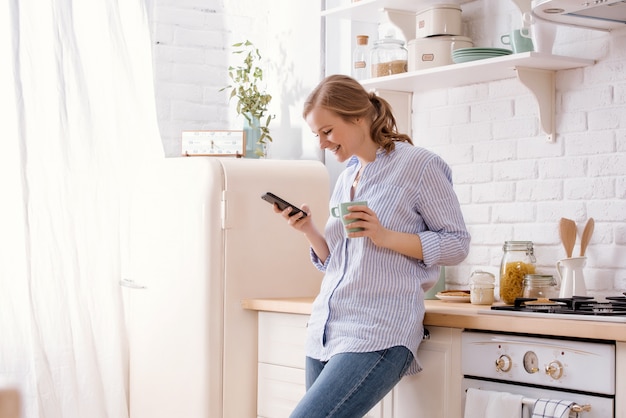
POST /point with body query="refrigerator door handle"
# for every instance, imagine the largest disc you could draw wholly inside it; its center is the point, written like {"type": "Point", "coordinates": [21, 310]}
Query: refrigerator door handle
{"type": "Point", "coordinates": [131, 284]}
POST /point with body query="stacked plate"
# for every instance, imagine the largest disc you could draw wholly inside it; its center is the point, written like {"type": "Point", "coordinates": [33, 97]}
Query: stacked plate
{"type": "Point", "coordinates": [473, 54]}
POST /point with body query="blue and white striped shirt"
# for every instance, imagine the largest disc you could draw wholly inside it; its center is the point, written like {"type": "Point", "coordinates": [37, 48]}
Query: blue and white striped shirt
{"type": "Point", "coordinates": [372, 298]}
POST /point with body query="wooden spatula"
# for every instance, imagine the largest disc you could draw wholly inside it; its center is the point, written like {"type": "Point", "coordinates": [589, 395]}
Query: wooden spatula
{"type": "Point", "coordinates": [587, 232]}
{"type": "Point", "coordinates": [567, 231]}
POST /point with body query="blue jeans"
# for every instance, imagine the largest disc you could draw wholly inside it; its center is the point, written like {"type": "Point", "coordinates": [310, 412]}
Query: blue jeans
{"type": "Point", "coordinates": [350, 384]}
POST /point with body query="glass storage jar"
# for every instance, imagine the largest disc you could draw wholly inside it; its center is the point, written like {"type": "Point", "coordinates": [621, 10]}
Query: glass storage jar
{"type": "Point", "coordinates": [539, 286]}
{"type": "Point", "coordinates": [518, 260]}
{"type": "Point", "coordinates": [481, 288]}
{"type": "Point", "coordinates": [360, 58]}
{"type": "Point", "coordinates": [388, 56]}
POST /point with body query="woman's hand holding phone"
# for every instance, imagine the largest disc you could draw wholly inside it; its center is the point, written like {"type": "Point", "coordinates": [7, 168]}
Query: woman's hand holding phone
{"type": "Point", "coordinates": [283, 204]}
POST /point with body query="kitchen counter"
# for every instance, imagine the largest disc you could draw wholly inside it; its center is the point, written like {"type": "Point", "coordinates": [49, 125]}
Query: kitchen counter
{"type": "Point", "coordinates": [466, 315]}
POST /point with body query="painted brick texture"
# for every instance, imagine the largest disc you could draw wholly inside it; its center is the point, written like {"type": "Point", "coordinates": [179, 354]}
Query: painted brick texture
{"type": "Point", "coordinates": [512, 184]}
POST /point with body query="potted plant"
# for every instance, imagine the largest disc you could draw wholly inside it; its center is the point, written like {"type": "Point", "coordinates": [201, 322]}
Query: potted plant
{"type": "Point", "coordinates": [252, 100]}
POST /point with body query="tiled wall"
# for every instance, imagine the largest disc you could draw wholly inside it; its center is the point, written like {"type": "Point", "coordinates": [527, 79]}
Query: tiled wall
{"type": "Point", "coordinates": [512, 184]}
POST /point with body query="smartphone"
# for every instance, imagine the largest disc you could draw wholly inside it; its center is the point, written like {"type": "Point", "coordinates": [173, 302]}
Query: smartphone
{"type": "Point", "coordinates": [282, 204]}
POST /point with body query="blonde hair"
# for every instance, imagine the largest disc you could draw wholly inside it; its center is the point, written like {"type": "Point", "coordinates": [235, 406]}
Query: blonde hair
{"type": "Point", "coordinates": [346, 97]}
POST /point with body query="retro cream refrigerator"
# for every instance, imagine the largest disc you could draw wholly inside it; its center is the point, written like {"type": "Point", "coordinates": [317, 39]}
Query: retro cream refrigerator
{"type": "Point", "coordinates": [201, 240]}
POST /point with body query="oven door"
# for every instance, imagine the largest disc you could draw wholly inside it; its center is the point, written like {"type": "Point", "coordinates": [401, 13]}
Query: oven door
{"type": "Point", "coordinates": [601, 407]}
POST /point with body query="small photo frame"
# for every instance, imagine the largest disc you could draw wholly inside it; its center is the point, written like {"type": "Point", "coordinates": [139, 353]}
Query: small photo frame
{"type": "Point", "coordinates": [214, 143]}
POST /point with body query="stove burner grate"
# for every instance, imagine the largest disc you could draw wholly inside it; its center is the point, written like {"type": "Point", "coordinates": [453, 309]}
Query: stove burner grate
{"type": "Point", "coordinates": [577, 305]}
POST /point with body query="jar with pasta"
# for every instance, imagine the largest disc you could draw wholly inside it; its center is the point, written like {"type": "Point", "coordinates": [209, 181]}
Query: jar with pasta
{"type": "Point", "coordinates": [518, 260]}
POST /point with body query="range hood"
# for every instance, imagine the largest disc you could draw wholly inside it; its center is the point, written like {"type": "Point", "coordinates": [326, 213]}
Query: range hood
{"type": "Point", "coordinates": [594, 14]}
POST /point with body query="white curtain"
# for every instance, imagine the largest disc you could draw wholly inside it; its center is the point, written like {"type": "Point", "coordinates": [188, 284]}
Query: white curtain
{"type": "Point", "coordinates": [78, 119]}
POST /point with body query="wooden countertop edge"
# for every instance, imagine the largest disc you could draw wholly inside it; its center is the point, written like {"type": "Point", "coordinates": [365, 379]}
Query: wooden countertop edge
{"type": "Point", "coordinates": [301, 305]}
{"type": "Point", "coordinates": [466, 315]}
{"type": "Point", "coordinates": [542, 326]}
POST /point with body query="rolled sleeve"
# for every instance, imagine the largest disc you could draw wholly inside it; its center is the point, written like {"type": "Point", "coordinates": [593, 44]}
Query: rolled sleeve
{"type": "Point", "coordinates": [317, 262]}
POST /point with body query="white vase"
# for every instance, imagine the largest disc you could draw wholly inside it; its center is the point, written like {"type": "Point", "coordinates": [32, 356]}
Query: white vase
{"type": "Point", "coordinates": [543, 34]}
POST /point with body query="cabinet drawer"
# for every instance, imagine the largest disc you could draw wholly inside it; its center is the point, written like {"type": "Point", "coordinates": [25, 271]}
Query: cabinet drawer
{"type": "Point", "coordinates": [281, 339]}
{"type": "Point", "coordinates": [279, 391]}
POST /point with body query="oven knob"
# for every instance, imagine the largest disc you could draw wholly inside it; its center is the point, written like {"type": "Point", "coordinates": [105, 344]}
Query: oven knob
{"type": "Point", "coordinates": [555, 369]}
{"type": "Point", "coordinates": [531, 362]}
{"type": "Point", "coordinates": [503, 363]}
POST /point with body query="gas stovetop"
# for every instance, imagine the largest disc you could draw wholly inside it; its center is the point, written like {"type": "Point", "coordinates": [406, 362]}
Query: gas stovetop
{"type": "Point", "coordinates": [585, 308]}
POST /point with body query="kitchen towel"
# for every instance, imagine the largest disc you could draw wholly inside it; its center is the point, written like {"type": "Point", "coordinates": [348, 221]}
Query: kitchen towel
{"type": "Point", "coordinates": [551, 408]}
{"type": "Point", "coordinates": [490, 404]}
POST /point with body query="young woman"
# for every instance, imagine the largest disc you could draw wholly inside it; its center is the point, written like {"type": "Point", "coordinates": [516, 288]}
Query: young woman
{"type": "Point", "coordinates": [366, 322]}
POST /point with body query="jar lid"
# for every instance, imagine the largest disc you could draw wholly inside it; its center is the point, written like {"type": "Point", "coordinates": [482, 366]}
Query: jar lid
{"type": "Point", "coordinates": [539, 279]}
{"type": "Point", "coordinates": [362, 39]}
{"type": "Point", "coordinates": [440, 38]}
{"type": "Point", "coordinates": [441, 6]}
{"type": "Point", "coordinates": [389, 41]}
{"type": "Point", "coordinates": [484, 277]}
{"type": "Point", "coordinates": [517, 245]}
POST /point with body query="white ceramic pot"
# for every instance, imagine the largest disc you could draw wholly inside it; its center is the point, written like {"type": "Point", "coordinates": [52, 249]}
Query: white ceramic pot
{"type": "Point", "coordinates": [441, 19]}
{"type": "Point", "coordinates": [435, 51]}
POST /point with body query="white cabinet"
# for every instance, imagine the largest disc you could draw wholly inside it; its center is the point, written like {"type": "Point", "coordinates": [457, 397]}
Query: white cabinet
{"type": "Point", "coordinates": [281, 363]}
{"type": "Point", "coordinates": [534, 70]}
{"type": "Point", "coordinates": [435, 392]}
{"type": "Point", "coordinates": [280, 389]}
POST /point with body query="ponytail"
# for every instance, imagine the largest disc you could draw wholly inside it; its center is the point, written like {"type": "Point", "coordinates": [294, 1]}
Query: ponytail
{"type": "Point", "coordinates": [384, 130]}
{"type": "Point", "coordinates": [346, 97]}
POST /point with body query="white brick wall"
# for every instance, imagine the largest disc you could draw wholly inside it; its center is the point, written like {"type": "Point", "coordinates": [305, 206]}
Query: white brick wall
{"type": "Point", "coordinates": [512, 184]}
{"type": "Point", "coordinates": [192, 51]}
{"type": "Point", "coordinates": [189, 39]}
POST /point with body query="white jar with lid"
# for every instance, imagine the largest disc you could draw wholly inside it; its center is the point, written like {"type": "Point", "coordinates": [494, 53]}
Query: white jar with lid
{"type": "Point", "coordinates": [482, 284]}
{"type": "Point", "coordinates": [439, 19]}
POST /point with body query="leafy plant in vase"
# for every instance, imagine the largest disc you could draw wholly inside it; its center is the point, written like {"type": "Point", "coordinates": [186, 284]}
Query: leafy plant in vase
{"type": "Point", "coordinates": [252, 100]}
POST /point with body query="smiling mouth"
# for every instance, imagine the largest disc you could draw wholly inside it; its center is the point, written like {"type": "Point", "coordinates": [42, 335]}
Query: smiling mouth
{"type": "Point", "coordinates": [334, 150]}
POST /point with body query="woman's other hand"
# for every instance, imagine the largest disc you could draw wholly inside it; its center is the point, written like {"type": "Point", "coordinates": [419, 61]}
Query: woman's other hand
{"type": "Point", "coordinates": [404, 243]}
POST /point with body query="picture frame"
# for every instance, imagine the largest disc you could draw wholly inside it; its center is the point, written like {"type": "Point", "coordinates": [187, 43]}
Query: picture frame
{"type": "Point", "coordinates": [214, 143]}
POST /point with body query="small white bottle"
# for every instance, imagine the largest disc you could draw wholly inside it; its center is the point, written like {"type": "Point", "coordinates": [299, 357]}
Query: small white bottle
{"type": "Point", "coordinates": [360, 58]}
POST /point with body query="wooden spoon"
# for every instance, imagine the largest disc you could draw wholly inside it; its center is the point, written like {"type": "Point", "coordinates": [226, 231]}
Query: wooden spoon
{"type": "Point", "coordinates": [567, 231]}
{"type": "Point", "coordinates": [587, 232]}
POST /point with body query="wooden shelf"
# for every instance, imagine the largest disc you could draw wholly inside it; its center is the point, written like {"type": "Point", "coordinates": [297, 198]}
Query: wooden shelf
{"type": "Point", "coordinates": [535, 70]}
{"type": "Point", "coordinates": [474, 72]}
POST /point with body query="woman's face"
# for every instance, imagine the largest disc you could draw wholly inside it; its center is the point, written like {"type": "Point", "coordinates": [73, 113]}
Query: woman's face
{"type": "Point", "coordinates": [342, 138]}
